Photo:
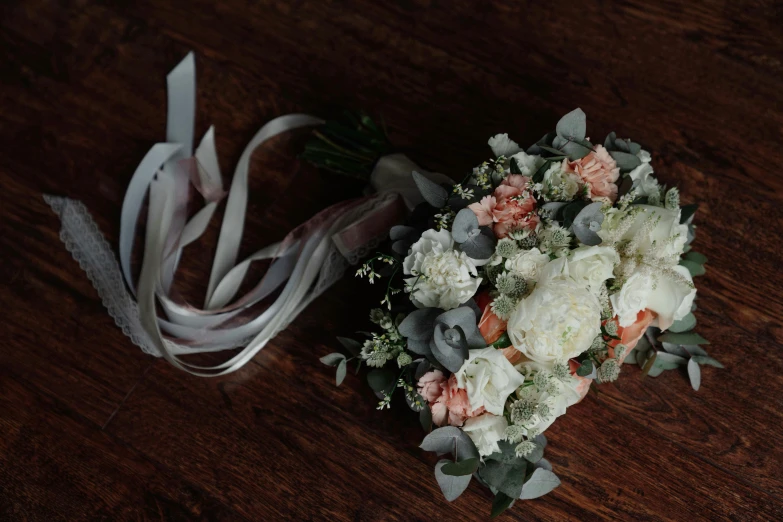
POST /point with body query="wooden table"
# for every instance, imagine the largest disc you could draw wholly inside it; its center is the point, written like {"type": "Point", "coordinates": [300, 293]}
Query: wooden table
{"type": "Point", "coordinates": [91, 428]}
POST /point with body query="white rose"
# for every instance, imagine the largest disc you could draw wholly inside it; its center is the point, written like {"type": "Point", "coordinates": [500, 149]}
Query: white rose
{"type": "Point", "coordinates": [528, 163]}
{"type": "Point", "coordinates": [669, 297]}
{"type": "Point", "coordinates": [592, 265]}
{"type": "Point", "coordinates": [646, 184]}
{"type": "Point", "coordinates": [644, 156]}
{"type": "Point", "coordinates": [560, 184]}
{"type": "Point", "coordinates": [485, 431]}
{"type": "Point", "coordinates": [558, 320]}
{"type": "Point", "coordinates": [527, 264]}
{"type": "Point", "coordinates": [489, 379]}
{"type": "Point", "coordinates": [666, 238]}
{"type": "Point", "coordinates": [502, 145]}
{"type": "Point", "coordinates": [443, 277]}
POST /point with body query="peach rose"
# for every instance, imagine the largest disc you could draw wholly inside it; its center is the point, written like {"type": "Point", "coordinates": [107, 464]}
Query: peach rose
{"type": "Point", "coordinates": [584, 383]}
{"type": "Point", "coordinates": [429, 385]}
{"type": "Point", "coordinates": [512, 354]}
{"type": "Point", "coordinates": [490, 325]}
{"type": "Point", "coordinates": [630, 335]}
{"type": "Point", "coordinates": [600, 172]}
{"type": "Point", "coordinates": [452, 405]}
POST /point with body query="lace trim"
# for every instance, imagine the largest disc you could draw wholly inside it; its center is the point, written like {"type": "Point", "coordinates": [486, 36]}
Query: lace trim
{"type": "Point", "coordinates": [89, 248]}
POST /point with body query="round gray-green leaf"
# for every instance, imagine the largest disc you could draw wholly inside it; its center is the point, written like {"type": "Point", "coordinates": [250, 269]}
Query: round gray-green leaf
{"type": "Point", "coordinates": [625, 161]}
{"type": "Point", "coordinates": [541, 482]}
{"type": "Point", "coordinates": [451, 486]}
{"type": "Point", "coordinates": [478, 246]}
{"type": "Point", "coordinates": [381, 381]}
{"type": "Point", "coordinates": [683, 338]}
{"type": "Point", "coordinates": [448, 440]}
{"type": "Point", "coordinates": [685, 324]}
{"type": "Point", "coordinates": [463, 467]}
{"type": "Point", "coordinates": [573, 125]}
{"type": "Point", "coordinates": [464, 223]}
{"type": "Point", "coordinates": [420, 324]}
{"type": "Point", "coordinates": [694, 268]}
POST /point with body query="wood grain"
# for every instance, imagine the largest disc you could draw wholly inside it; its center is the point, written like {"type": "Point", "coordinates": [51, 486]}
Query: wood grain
{"type": "Point", "coordinates": [93, 429]}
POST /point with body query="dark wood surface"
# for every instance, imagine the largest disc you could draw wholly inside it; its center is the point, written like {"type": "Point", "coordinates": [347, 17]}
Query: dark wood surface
{"type": "Point", "coordinates": [93, 429]}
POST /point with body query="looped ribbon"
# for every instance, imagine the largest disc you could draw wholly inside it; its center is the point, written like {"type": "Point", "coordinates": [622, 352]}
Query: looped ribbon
{"type": "Point", "coordinates": [304, 264]}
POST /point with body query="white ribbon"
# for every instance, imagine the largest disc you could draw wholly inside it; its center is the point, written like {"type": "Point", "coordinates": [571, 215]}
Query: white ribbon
{"type": "Point", "coordinates": [310, 260]}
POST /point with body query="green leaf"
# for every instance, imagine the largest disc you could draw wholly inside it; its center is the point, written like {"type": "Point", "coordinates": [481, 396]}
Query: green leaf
{"type": "Point", "coordinates": [683, 325]}
{"type": "Point", "coordinates": [504, 341]}
{"type": "Point", "coordinates": [554, 151]}
{"type": "Point", "coordinates": [539, 175]}
{"type": "Point", "coordinates": [683, 338]}
{"type": "Point", "coordinates": [514, 167]}
{"type": "Point", "coordinates": [451, 486]}
{"type": "Point", "coordinates": [540, 483]}
{"type": "Point", "coordinates": [342, 368]}
{"type": "Point", "coordinates": [706, 359]}
{"type": "Point", "coordinates": [353, 347]}
{"type": "Point", "coordinates": [450, 439]}
{"type": "Point", "coordinates": [506, 477]}
{"type": "Point", "coordinates": [425, 418]}
{"type": "Point", "coordinates": [625, 161]}
{"type": "Point", "coordinates": [572, 126]}
{"type": "Point", "coordinates": [333, 359]}
{"type": "Point", "coordinates": [381, 381]}
{"type": "Point", "coordinates": [537, 454]}
{"type": "Point", "coordinates": [464, 467]}
{"type": "Point", "coordinates": [695, 257]}
{"type": "Point", "coordinates": [694, 268]}
{"type": "Point", "coordinates": [585, 369]}
{"type": "Point", "coordinates": [500, 503]}
{"type": "Point", "coordinates": [687, 212]}
{"type": "Point", "coordinates": [694, 372]}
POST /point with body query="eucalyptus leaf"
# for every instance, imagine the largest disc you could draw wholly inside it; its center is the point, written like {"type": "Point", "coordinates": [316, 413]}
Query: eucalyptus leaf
{"type": "Point", "coordinates": [667, 357]}
{"type": "Point", "coordinates": [464, 223]}
{"type": "Point", "coordinates": [706, 359]}
{"type": "Point", "coordinates": [572, 210]}
{"type": "Point", "coordinates": [539, 175]}
{"type": "Point", "coordinates": [333, 359]}
{"type": "Point", "coordinates": [572, 126]}
{"type": "Point", "coordinates": [479, 246]}
{"type": "Point", "coordinates": [577, 149]}
{"type": "Point", "coordinates": [500, 503]}
{"type": "Point", "coordinates": [683, 325]}
{"type": "Point", "coordinates": [585, 369]}
{"type": "Point", "coordinates": [419, 347]}
{"type": "Point", "coordinates": [695, 257]}
{"type": "Point", "coordinates": [683, 338]}
{"type": "Point", "coordinates": [450, 439]}
{"type": "Point", "coordinates": [342, 369]}
{"type": "Point", "coordinates": [676, 349]}
{"type": "Point", "coordinates": [535, 455]}
{"type": "Point", "coordinates": [422, 368]}
{"type": "Point", "coordinates": [587, 223]}
{"type": "Point", "coordinates": [451, 486]}
{"type": "Point", "coordinates": [625, 160]}
{"type": "Point", "coordinates": [694, 372]}
{"type": "Point", "coordinates": [541, 482]}
{"type": "Point", "coordinates": [399, 232]}
{"type": "Point", "coordinates": [464, 467]}
{"type": "Point", "coordinates": [514, 167]}
{"type": "Point", "coordinates": [609, 141]}
{"type": "Point", "coordinates": [420, 324]}
{"type": "Point", "coordinates": [545, 464]}
{"type": "Point", "coordinates": [694, 349]}
{"type": "Point", "coordinates": [432, 193]}
{"type": "Point", "coordinates": [507, 477]}
{"type": "Point", "coordinates": [694, 268]}
{"type": "Point", "coordinates": [552, 150]}
{"type": "Point", "coordinates": [353, 347]}
{"type": "Point", "coordinates": [380, 380]}
{"type": "Point", "coordinates": [655, 371]}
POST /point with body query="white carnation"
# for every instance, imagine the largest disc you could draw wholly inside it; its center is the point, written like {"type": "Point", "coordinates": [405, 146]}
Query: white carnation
{"type": "Point", "coordinates": [558, 320]}
{"type": "Point", "coordinates": [646, 184]}
{"type": "Point", "coordinates": [502, 145]}
{"type": "Point", "coordinates": [485, 431]}
{"type": "Point", "coordinates": [528, 163]}
{"type": "Point", "coordinates": [527, 264]}
{"type": "Point", "coordinates": [443, 277]}
{"type": "Point", "coordinates": [592, 265]}
{"type": "Point", "coordinates": [489, 379]}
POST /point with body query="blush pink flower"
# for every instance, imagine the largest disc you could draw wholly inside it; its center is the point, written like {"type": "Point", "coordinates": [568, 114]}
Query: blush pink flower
{"type": "Point", "coordinates": [511, 207]}
{"type": "Point", "coordinates": [452, 406]}
{"type": "Point", "coordinates": [600, 172]}
{"type": "Point", "coordinates": [429, 385]}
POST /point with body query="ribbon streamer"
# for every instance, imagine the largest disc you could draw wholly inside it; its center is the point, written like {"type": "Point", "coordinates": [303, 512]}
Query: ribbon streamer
{"type": "Point", "coordinates": [310, 259]}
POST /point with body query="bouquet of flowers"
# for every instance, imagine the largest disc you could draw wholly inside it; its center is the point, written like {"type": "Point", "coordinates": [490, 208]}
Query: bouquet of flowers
{"type": "Point", "coordinates": [510, 294]}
